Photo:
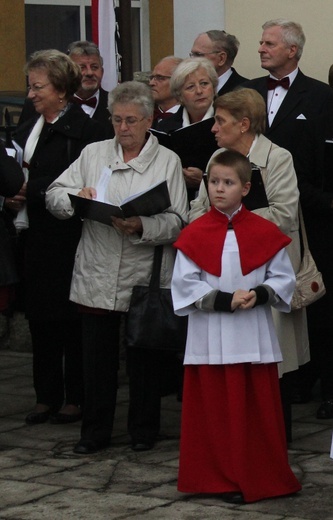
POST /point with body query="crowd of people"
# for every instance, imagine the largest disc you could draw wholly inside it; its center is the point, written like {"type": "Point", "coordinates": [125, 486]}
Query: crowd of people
{"type": "Point", "coordinates": [230, 251]}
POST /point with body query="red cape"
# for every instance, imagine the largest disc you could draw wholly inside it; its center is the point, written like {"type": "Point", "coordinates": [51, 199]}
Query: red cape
{"type": "Point", "coordinates": [258, 240]}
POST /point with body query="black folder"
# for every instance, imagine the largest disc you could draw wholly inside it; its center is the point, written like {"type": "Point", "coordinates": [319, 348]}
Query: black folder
{"type": "Point", "coordinates": [149, 202]}
{"type": "Point", "coordinates": [194, 144]}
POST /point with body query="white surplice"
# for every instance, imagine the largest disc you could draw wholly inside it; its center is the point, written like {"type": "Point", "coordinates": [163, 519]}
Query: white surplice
{"type": "Point", "coordinates": [225, 337]}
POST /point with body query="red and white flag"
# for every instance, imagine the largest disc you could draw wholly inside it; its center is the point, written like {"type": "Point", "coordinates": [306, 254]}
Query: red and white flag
{"type": "Point", "coordinates": [104, 35]}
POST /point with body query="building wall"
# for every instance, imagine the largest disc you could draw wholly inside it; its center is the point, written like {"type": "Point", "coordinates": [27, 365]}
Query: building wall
{"type": "Point", "coordinates": [161, 30]}
{"type": "Point", "coordinates": [244, 19]}
{"type": "Point", "coordinates": [193, 17]}
{"type": "Point", "coordinates": [12, 43]}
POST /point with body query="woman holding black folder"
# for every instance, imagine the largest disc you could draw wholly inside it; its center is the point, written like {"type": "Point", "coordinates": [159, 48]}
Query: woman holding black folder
{"type": "Point", "coordinates": [112, 259]}
{"type": "Point", "coordinates": [239, 125]}
{"type": "Point", "coordinates": [187, 132]}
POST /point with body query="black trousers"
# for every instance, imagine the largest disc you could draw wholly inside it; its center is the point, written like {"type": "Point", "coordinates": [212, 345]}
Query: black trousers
{"type": "Point", "coordinates": [286, 386]}
{"type": "Point", "coordinates": [57, 362]}
{"type": "Point", "coordinates": [100, 373]}
{"type": "Point", "coordinates": [321, 364]}
{"type": "Point", "coordinates": [152, 374]}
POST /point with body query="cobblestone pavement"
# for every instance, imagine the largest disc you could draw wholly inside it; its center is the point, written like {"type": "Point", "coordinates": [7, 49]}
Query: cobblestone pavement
{"type": "Point", "coordinates": [41, 478]}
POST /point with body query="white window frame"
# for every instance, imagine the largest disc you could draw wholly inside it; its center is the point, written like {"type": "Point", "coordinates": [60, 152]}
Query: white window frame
{"type": "Point", "coordinates": [143, 5]}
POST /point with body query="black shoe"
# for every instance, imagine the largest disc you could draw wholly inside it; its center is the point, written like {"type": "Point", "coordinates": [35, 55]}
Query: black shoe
{"type": "Point", "coordinates": [233, 497]}
{"type": "Point", "coordinates": [86, 447]}
{"type": "Point", "coordinates": [38, 417]}
{"type": "Point", "coordinates": [65, 418]}
{"type": "Point", "coordinates": [142, 446]}
{"type": "Point", "coordinates": [325, 410]}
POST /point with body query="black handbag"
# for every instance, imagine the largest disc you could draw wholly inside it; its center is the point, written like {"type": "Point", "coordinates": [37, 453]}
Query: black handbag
{"type": "Point", "coordinates": [151, 321]}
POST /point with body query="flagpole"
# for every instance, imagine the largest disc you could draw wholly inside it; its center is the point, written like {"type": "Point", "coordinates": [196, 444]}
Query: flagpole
{"type": "Point", "coordinates": [126, 40]}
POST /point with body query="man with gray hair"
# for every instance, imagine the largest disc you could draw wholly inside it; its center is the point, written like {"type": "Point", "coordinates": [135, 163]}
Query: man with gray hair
{"type": "Point", "coordinates": [91, 96]}
{"type": "Point", "coordinates": [159, 82]}
{"type": "Point", "coordinates": [292, 98]}
{"type": "Point", "coordinates": [221, 49]}
{"type": "Point", "coordinates": [293, 102]}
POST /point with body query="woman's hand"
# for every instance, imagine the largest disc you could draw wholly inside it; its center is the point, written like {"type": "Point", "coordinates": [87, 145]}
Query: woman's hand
{"type": "Point", "coordinates": [193, 176]}
{"type": "Point", "coordinates": [129, 226]}
{"type": "Point", "coordinates": [17, 202]}
{"type": "Point", "coordinates": [87, 193]}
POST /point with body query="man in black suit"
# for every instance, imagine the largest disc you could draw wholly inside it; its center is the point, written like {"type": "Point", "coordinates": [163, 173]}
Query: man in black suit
{"type": "Point", "coordinates": [313, 165]}
{"type": "Point", "coordinates": [293, 102]}
{"type": "Point", "coordinates": [91, 96]}
{"type": "Point", "coordinates": [159, 82]}
{"type": "Point", "coordinates": [221, 49]}
{"type": "Point", "coordinates": [298, 99]}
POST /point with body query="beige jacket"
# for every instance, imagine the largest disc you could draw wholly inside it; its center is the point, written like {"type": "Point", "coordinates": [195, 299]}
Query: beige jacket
{"type": "Point", "coordinates": [108, 263]}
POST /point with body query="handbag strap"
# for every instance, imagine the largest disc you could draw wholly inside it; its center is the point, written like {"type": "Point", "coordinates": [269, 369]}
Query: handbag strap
{"type": "Point", "coordinates": [303, 230]}
{"type": "Point", "coordinates": [156, 271]}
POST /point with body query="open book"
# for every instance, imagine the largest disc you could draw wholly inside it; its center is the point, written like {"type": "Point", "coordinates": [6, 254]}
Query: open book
{"type": "Point", "coordinates": [146, 203]}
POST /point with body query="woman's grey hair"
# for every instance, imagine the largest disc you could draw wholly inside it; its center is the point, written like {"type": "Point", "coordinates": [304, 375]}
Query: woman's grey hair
{"type": "Point", "coordinates": [245, 102]}
{"type": "Point", "coordinates": [134, 92]}
{"type": "Point", "coordinates": [84, 48]}
{"type": "Point", "coordinates": [62, 72]}
{"type": "Point", "coordinates": [292, 33]}
{"type": "Point", "coordinates": [187, 67]}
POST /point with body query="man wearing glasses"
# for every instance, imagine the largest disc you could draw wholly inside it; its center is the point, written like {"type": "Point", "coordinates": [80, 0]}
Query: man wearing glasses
{"type": "Point", "coordinates": [159, 82]}
{"type": "Point", "coordinates": [221, 49]}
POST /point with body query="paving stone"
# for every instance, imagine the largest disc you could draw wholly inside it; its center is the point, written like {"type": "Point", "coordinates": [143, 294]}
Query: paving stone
{"type": "Point", "coordinates": [85, 504]}
{"type": "Point", "coordinates": [41, 477]}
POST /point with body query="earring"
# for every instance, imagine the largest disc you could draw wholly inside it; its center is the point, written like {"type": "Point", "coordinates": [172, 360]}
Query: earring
{"type": "Point", "coordinates": [60, 100]}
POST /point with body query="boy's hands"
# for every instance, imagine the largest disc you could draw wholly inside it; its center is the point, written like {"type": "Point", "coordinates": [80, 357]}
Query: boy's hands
{"type": "Point", "coordinates": [243, 299]}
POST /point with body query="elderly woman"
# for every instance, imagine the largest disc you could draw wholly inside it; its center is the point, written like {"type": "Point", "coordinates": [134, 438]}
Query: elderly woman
{"type": "Point", "coordinates": [51, 140]}
{"type": "Point", "coordinates": [193, 84]}
{"type": "Point", "coordinates": [110, 260]}
{"type": "Point", "coordinates": [239, 124]}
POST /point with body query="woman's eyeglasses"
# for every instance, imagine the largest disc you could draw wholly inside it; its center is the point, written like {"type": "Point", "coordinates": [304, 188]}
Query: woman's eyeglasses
{"type": "Point", "coordinates": [129, 121]}
{"type": "Point", "coordinates": [37, 88]}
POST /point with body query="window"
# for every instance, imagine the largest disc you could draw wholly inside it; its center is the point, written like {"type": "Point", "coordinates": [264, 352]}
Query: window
{"type": "Point", "coordinates": [56, 23]}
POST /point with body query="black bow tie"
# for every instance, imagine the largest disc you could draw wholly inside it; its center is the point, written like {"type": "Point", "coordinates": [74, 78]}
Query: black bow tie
{"type": "Point", "coordinates": [273, 83]}
{"type": "Point", "coordinates": [91, 102]}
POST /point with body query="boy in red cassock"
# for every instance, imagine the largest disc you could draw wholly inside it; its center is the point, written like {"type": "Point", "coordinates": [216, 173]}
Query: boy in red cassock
{"type": "Point", "coordinates": [231, 267]}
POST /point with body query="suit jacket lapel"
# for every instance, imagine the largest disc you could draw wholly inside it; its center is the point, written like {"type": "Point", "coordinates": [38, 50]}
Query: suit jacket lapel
{"type": "Point", "coordinates": [292, 99]}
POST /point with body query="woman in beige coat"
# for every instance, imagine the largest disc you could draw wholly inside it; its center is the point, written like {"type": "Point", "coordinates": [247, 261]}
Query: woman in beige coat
{"type": "Point", "coordinates": [112, 259]}
{"type": "Point", "coordinates": [239, 124]}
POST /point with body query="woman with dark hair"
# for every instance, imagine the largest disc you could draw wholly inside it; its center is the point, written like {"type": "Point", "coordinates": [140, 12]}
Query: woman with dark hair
{"type": "Point", "coordinates": [51, 140]}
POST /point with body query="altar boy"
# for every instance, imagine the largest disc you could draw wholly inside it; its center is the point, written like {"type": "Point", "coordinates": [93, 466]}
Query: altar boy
{"type": "Point", "coordinates": [231, 267]}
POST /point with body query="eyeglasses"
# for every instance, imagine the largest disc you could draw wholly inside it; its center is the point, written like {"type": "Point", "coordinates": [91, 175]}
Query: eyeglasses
{"type": "Point", "coordinates": [158, 77]}
{"type": "Point", "coordinates": [37, 88]}
{"type": "Point", "coordinates": [201, 54]}
{"type": "Point", "coordinates": [201, 84]}
{"type": "Point", "coordinates": [129, 121]}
